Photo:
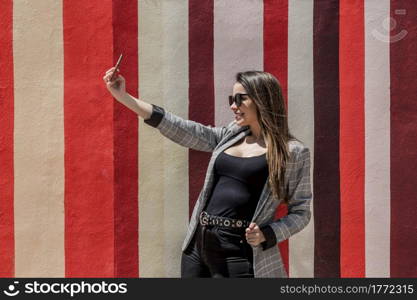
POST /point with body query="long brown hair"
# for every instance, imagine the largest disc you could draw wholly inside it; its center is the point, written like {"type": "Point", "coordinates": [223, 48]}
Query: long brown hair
{"type": "Point", "coordinates": [265, 90]}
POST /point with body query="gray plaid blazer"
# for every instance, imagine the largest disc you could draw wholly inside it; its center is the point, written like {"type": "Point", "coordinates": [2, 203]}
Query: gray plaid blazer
{"type": "Point", "coordinates": [190, 134]}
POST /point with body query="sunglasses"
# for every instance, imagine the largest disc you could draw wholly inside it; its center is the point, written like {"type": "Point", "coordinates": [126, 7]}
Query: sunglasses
{"type": "Point", "coordinates": [238, 99]}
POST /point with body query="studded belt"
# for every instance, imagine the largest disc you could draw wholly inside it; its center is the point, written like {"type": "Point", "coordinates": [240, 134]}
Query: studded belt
{"type": "Point", "coordinates": [206, 219]}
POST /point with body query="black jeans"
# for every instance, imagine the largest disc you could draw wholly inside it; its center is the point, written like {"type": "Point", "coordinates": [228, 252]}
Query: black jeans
{"type": "Point", "coordinates": [217, 252]}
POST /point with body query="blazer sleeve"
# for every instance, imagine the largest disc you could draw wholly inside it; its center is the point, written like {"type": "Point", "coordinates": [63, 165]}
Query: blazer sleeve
{"type": "Point", "coordinates": [270, 238]}
{"type": "Point", "coordinates": [186, 133]}
{"type": "Point", "coordinates": [300, 197]}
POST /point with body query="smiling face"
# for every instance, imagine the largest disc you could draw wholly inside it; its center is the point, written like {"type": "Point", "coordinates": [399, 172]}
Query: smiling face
{"type": "Point", "coordinates": [246, 114]}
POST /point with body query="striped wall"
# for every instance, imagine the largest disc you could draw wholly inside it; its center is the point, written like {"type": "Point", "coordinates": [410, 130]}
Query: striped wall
{"type": "Point", "coordinates": [163, 79]}
{"type": "Point", "coordinates": [275, 40]}
{"type": "Point", "coordinates": [300, 95]}
{"type": "Point", "coordinates": [7, 249]}
{"type": "Point", "coordinates": [89, 160]}
{"type": "Point", "coordinates": [403, 142]}
{"type": "Point", "coordinates": [377, 142]}
{"type": "Point", "coordinates": [326, 173]}
{"type": "Point", "coordinates": [38, 156]}
{"type": "Point", "coordinates": [125, 129]}
{"type": "Point", "coordinates": [88, 190]}
{"type": "Point", "coordinates": [351, 139]}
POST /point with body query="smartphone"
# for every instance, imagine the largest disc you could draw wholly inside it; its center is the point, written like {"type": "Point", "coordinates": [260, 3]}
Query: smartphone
{"type": "Point", "coordinates": [116, 67]}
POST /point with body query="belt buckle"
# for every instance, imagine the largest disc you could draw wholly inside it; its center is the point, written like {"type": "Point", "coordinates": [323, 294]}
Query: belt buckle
{"type": "Point", "coordinates": [204, 218]}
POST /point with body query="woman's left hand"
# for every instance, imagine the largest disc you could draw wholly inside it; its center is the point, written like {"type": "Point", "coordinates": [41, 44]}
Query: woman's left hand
{"type": "Point", "coordinates": [254, 235]}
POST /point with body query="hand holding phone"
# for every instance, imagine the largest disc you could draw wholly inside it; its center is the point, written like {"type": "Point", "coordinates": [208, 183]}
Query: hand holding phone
{"type": "Point", "coordinates": [115, 84]}
{"type": "Point", "coordinates": [116, 67]}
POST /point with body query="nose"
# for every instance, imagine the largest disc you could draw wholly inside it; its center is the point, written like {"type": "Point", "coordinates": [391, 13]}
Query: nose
{"type": "Point", "coordinates": [234, 108]}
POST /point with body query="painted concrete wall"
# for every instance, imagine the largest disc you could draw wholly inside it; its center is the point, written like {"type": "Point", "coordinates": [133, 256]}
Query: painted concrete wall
{"type": "Point", "coordinates": [89, 190]}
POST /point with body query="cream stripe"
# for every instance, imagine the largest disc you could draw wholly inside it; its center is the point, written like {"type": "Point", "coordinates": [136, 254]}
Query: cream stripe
{"type": "Point", "coordinates": [39, 138]}
{"type": "Point", "coordinates": [238, 46]}
{"type": "Point", "coordinates": [175, 76]}
{"type": "Point", "coordinates": [151, 191]}
{"type": "Point", "coordinates": [301, 118]}
{"type": "Point", "coordinates": [377, 139]}
{"type": "Point", "coordinates": [163, 165]}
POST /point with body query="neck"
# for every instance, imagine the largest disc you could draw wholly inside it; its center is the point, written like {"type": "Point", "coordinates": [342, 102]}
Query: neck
{"type": "Point", "coordinates": [256, 132]}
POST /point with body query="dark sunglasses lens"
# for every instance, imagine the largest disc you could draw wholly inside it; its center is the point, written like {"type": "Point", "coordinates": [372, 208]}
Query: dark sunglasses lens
{"type": "Point", "coordinates": [237, 98]}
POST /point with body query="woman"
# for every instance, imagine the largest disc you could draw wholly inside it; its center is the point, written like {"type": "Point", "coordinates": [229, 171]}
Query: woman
{"type": "Point", "coordinates": [256, 164]}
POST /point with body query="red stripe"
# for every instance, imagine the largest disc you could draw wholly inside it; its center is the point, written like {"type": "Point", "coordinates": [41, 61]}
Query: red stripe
{"type": "Point", "coordinates": [326, 172]}
{"type": "Point", "coordinates": [403, 55]}
{"type": "Point", "coordinates": [352, 138]}
{"type": "Point", "coordinates": [125, 35]}
{"type": "Point", "coordinates": [276, 63]}
{"type": "Point", "coordinates": [201, 86]}
{"type": "Point", "coordinates": [6, 140]}
{"type": "Point", "coordinates": [88, 118]}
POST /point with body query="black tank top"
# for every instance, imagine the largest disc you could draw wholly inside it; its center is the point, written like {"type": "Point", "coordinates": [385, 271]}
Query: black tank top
{"type": "Point", "coordinates": [238, 183]}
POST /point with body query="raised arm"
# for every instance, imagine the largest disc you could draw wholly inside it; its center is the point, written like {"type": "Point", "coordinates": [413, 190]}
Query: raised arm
{"type": "Point", "coordinates": [117, 87]}
{"type": "Point", "coordinates": [186, 133]}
